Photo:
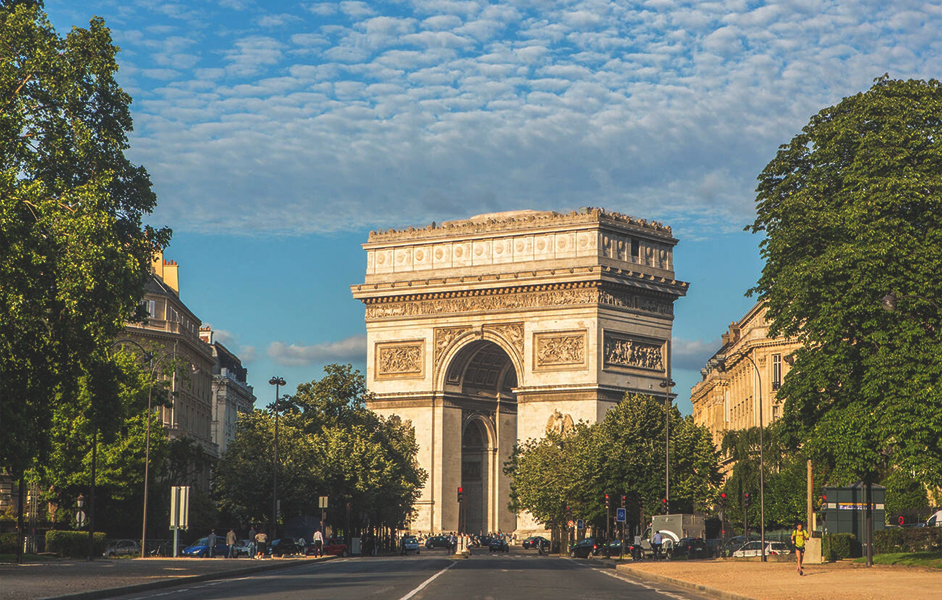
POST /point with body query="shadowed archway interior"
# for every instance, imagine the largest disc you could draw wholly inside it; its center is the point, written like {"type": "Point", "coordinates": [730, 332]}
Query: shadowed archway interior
{"type": "Point", "coordinates": [481, 379]}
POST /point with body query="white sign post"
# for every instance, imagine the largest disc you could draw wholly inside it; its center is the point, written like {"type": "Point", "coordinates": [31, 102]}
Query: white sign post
{"type": "Point", "coordinates": [179, 513]}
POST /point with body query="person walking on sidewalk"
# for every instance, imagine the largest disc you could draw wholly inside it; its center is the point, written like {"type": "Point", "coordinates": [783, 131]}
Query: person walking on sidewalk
{"type": "Point", "coordinates": [799, 537]}
{"type": "Point", "coordinates": [231, 542]}
{"type": "Point", "coordinates": [318, 543]}
{"type": "Point", "coordinates": [212, 543]}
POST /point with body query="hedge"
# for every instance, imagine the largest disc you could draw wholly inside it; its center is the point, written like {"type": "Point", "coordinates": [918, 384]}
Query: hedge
{"type": "Point", "coordinates": [74, 544]}
{"type": "Point", "coordinates": [916, 539]}
{"type": "Point", "coordinates": [7, 543]}
{"type": "Point", "coordinates": [836, 546]}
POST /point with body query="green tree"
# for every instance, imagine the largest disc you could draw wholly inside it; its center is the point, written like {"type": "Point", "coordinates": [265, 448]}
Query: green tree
{"type": "Point", "coordinates": [73, 250]}
{"type": "Point", "coordinates": [622, 454]}
{"type": "Point", "coordinates": [329, 444]}
{"type": "Point", "coordinates": [850, 210]}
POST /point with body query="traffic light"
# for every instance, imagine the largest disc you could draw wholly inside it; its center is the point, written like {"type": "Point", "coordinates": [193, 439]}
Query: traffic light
{"type": "Point", "coordinates": [747, 500]}
{"type": "Point", "coordinates": [624, 501]}
{"type": "Point", "coordinates": [568, 514]}
{"type": "Point", "coordinates": [608, 502]}
{"type": "Point", "coordinates": [664, 509]}
{"type": "Point", "coordinates": [824, 508]}
{"type": "Point", "coordinates": [723, 501]}
{"type": "Point", "coordinates": [460, 493]}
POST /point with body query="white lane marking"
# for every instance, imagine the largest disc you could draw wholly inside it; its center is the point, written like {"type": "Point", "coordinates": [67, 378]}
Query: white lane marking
{"type": "Point", "coordinates": [426, 582]}
{"type": "Point", "coordinates": [633, 582]}
{"type": "Point", "coordinates": [653, 589]}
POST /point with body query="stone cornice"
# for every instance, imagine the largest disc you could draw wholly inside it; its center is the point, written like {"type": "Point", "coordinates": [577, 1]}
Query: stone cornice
{"type": "Point", "coordinates": [522, 221]}
{"type": "Point", "coordinates": [383, 291]}
{"type": "Point", "coordinates": [523, 298]}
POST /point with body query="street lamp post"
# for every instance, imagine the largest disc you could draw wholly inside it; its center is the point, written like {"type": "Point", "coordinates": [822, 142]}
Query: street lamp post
{"type": "Point", "coordinates": [667, 384]}
{"type": "Point", "coordinates": [761, 452]}
{"type": "Point", "coordinates": [147, 356]}
{"type": "Point", "coordinates": [277, 382]}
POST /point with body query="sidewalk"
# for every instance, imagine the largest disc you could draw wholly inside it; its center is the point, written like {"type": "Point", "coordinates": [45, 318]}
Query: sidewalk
{"type": "Point", "coordinates": [82, 580]}
{"type": "Point", "coordinates": [737, 580]}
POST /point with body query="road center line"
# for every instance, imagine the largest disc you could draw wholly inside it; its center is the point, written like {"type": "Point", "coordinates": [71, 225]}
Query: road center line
{"type": "Point", "coordinates": [426, 582]}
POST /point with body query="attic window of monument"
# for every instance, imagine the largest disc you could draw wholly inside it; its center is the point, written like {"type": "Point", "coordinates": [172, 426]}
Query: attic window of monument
{"type": "Point", "coordinates": [635, 249]}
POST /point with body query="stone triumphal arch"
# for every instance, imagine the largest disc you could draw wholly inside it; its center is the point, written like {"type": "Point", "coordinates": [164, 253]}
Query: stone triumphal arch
{"type": "Point", "coordinates": [495, 329]}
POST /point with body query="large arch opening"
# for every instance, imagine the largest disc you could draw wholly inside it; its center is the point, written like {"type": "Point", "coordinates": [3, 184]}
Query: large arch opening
{"type": "Point", "coordinates": [481, 379]}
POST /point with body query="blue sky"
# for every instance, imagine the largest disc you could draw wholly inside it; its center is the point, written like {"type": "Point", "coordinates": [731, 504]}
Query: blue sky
{"type": "Point", "coordinates": [278, 134]}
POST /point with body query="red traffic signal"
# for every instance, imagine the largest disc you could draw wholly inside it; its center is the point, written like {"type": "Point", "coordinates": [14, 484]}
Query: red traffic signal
{"type": "Point", "coordinates": [460, 493]}
{"type": "Point", "coordinates": [624, 501]}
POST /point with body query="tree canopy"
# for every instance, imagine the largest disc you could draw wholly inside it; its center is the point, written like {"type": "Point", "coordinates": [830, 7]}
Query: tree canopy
{"type": "Point", "coordinates": [621, 455]}
{"type": "Point", "coordinates": [329, 444]}
{"type": "Point", "coordinates": [74, 252]}
{"type": "Point", "coordinates": [850, 210]}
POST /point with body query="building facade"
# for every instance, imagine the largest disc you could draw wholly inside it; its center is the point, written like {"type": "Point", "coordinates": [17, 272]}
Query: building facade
{"type": "Point", "coordinates": [174, 331]}
{"type": "Point", "coordinates": [742, 376]}
{"type": "Point", "coordinates": [232, 396]}
{"type": "Point", "coordinates": [494, 330]}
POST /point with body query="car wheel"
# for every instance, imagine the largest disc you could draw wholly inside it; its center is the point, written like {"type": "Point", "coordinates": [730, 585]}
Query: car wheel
{"type": "Point", "coordinates": [416, 551]}
{"type": "Point", "coordinates": [344, 554]}
{"type": "Point", "coordinates": [572, 554]}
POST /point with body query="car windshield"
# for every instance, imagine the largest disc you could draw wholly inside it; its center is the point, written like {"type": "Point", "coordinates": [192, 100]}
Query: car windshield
{"type": "Point", "coordinates": [201, 542]}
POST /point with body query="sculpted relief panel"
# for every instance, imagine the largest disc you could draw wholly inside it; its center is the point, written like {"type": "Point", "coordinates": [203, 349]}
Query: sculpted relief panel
{"type": "Point", "coordinates": [400, 359]}
{"type": "Point", "coordinates": [559, 350]}
{"type": "Point", "coordinates": [513, 299]}
{"type": "Point", "coordinates": [628, 352]}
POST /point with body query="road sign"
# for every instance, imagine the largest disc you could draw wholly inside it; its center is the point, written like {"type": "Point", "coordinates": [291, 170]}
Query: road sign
{"type": "Point", "coordinates": [322, 502]}
{"type": "Point", "coordinates": [620, 516]}
{"type": "Point", "coordinates": [580, 524]}
{"type": "Point", "coordinates": [571, 523]}
{"type": "Point", "coordinates": [179, 507]}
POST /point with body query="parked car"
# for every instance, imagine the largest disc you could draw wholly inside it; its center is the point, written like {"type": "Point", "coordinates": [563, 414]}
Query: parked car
{"type": "Point", "coordinates": [243, 548]}
{"type": "Point", "coordinates": [754, 548]}
{"type": "Point", "coordinates": [534, 541]}
{"type": "Point", "coordinates": [583, 549]}
{"type": "Point", "coordinates": [692, 548]}
{"type": "Point", "coordinates": [716, 547]}
{"type": "Point", "coordinates": [200, 548]}
{"type": "Point", "coordinates": [165, 548]}
{"type": "Point", "coordinates": [335, 547]}
{"type": "Point", "coordinates": [498, 544]}
{"type": "Point", "coordinates": [122, 548]}
{"type": "Point", "coordinates": [614, 549]}
{"type": "Point", "coordinates": [437, 541]}
{"type": "Point", "coordinates": [935, 520]}
{"type": "Point", "coordinates": [282, 547]}
{"type": "Point", "coordinates": [409, 544]}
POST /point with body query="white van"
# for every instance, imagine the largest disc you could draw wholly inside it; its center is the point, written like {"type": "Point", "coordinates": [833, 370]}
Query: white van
{"type": "Point", "coordinates": [935, 520]}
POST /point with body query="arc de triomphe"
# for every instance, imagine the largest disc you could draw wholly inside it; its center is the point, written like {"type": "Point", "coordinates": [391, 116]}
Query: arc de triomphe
{"type": "Point", "coordinates": [490, 330]}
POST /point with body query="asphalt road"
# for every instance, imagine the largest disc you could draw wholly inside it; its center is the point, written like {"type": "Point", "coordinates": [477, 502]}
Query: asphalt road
{"type": "Point", "coordinates": [430, 575]}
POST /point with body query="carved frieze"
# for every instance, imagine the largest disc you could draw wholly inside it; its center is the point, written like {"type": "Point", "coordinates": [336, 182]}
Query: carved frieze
{"type": "Point", "coordinates": [512, 332]}
{"type": "Point", "coordinates": [512, 299]}
{"type": "Point", "coordinates": [444, 336]}
{"type": "Point", "coordinates": [628, 352]}
{"type": "Point", "coordinates": [400, 359]}
{"type": "Point", "coordinates": [559, 350]}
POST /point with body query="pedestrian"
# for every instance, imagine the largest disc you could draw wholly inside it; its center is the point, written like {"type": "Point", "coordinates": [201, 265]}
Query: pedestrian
{"type": "Point", "coordinates": [212, 543]}
{"type": "Point", "coordinates": [318, 543]}
{"type": "Point", "coordinates": [302, 547]}
{"type": "Point", "coordinates": [656, 544]}
{"type": "Point", "coordinates": [261, 541]}
{"type": "Point", "coordinates": [252, 534]}
{"type": "Point", "coordinates": [231, 542]}
{"type": "Point", "coordinates": [799, 537]}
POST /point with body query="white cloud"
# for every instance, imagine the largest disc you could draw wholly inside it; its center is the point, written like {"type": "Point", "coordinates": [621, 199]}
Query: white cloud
{"type": "Point", "coordinates": [365, 116]}
{"type": "Point", "coordinates": [691, 354]}
{"type": "Point", "coordinates": [275, 21]}
{"type": "Point", "coordinates": [352, 349]}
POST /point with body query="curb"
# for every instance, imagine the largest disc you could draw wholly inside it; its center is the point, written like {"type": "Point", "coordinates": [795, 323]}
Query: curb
{"type": "Point", "coordinates": [643, 577]}
{"type": "Point", "coordinates": [156, 585]}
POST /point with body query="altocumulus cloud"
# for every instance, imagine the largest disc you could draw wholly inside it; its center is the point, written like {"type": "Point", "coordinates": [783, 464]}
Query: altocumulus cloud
{"type": "Point", "coordinates": [352, 349]}
{"type": "Point", "coordinates": [344, 115]}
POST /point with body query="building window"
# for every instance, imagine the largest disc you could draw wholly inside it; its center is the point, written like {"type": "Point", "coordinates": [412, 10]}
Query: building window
{"type": "Point", "coordinates": [150, 307]}
{"type": "Point", "coordinates": [635, 249]}
{"type": "Point", "coordinates": [776, 371]}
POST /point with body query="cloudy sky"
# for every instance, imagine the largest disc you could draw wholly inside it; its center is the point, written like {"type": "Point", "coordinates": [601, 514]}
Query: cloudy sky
{"type": "Point", "coordinates": [279, 133]}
